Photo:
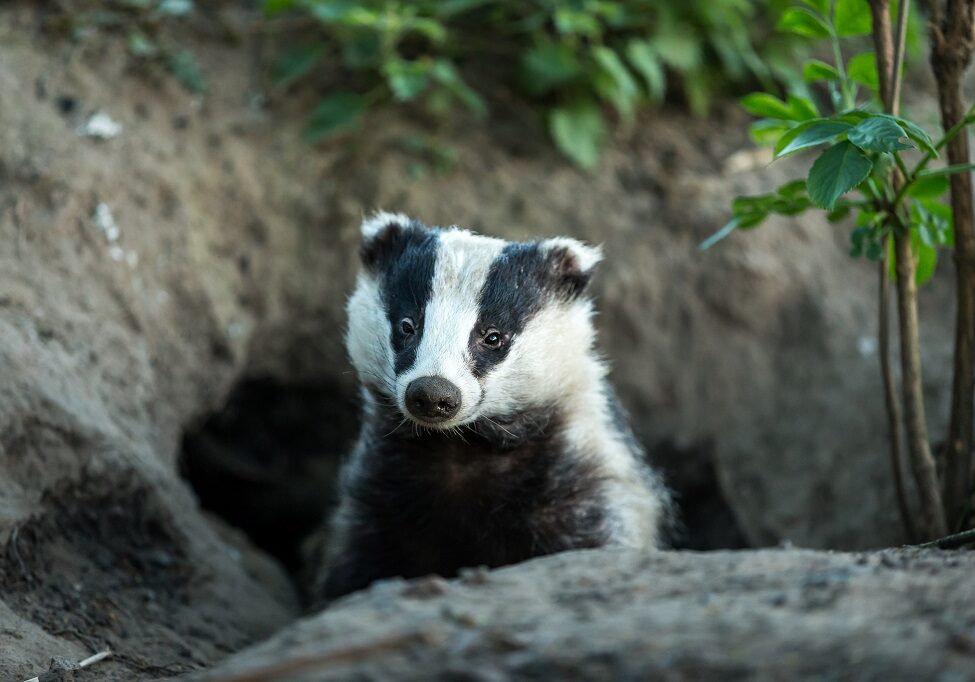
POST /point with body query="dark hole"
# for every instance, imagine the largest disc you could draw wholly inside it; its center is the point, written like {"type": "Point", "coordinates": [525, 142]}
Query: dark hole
{"type": "Point", "coordinates": [705, 519]}
{"type": "Point", "coordinates": [267, 462]}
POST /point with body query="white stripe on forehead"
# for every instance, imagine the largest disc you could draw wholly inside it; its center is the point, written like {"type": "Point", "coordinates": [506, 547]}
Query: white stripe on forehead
{"type": "Point", "coordinates": [463, 262]}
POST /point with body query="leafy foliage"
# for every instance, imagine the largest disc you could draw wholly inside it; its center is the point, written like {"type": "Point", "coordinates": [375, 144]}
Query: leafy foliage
{"type": "Point", "coordinates": [584, 63]}
{"type": "Point", "coordinates": [140, 21]}
{"type": "Point", "coordinates": [858, 147]}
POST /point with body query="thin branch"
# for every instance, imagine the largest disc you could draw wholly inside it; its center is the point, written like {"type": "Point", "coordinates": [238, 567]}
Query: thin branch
{"type": "Point", "coordinates": [950, 541]}
{"type": "Point", "coordinates": [884, 48]}
{"type": "Point", "coordinates": [900, 41]}
{"type": "Point", "coordinates": [915, 423]}
{"type": "Point", "coordinates": [951, 51]}
{"type": "Point", "coordinates": [890, 399]}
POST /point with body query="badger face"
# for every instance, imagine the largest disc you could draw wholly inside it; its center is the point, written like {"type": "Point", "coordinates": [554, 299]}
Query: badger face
{"type": "Point", "coordinates": [450, 327]}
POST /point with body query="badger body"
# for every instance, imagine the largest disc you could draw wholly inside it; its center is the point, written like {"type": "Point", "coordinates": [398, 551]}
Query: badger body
{"type": "Point", "coordinates": [489, 434]}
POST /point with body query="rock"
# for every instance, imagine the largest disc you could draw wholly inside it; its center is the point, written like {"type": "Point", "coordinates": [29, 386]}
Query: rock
{"type": "Point", "coordinates": [626, 615]}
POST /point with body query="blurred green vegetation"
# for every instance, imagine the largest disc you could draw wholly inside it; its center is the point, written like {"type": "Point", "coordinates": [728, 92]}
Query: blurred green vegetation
{"type": "Point", "coordinates": [584, 64]}
{"type": "Point", "coordinates": [141, 22]}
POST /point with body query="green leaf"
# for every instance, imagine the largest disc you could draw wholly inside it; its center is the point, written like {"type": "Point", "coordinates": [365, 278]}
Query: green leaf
{"type": "Point", "coordinates": [570, 21]}
{"type": "Point", "coordinates": [140, 45]}
{"type": "Point", "coordinates": [272, 7]}
{"type": "Point", "coordinates": [547, 66]}
{"type": "Point", "coordinates": [579, 132]}
{"type": "Point", "coordinates": [296, 63]}
{"type": "Point", "coordinates": [445, 73]}
{"type": "Point", "coordinates": [821, 6]}
{"type": "Point", "coordinates": [927, 260]}
{"type": "Point", "coordinates": [840, 212]}
{"type": "Point", "coordinates": [338, 11]}
{"type": "Point", "coordinates": [362, 49]}
{"type": "Point", "coordinates": [802, 108]}
{"type": "Point", "coordinates": [698, 88]}
{"type": "Point", "coordinates": [879, 134]}
{"type": "Point", "coordinates": [679, 48]}
{"type": "Point", "coordinates": [838, 170]}
{"type": "Point", "coordinates": [804, 22]}
{"type": "Point", "coordinates": [174, 8]}
{"type": "Point", "coordinates": [407, 79]}
{"type": "Point", "coordinates": [816, 70]}
{"type": "Point", "coordinates": [618, 85]}
{"type": "Point", "coordinates": [853, 18]}
{"type": "Point", "coordinates": [917, 134]}
{"type": "Point", "coordinates": [450, 8]}
{"type": "Point", "coordinates": [644, 59]}
{"type": "Point", "coordinates": [928, 187]}
{"type": "Point", "coordinates": [862, 69]}
{"type": "Point", "coordinates": [767, 132]}
{"type": "Point", "coordinates": [184, 67]}
{"type": "Point", "coordinates": [810, 134]}
{"type": "Point", "coordinates": [767, 106]}
{"type": "Point", "coordinates": [334, 114]}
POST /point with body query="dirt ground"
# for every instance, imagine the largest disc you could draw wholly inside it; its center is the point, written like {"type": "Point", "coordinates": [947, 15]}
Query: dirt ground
{"type": "Point", "coordinates": [604, 615]}
{"type": "Point", "coordinates": [174, 393]}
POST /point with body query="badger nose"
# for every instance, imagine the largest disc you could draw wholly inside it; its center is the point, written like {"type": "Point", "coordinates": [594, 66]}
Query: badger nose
{"type": "Point", "coordinates": [432, 399]}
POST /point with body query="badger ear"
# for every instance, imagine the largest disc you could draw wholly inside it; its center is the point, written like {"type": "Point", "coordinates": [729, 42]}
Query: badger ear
{"type": "Point", "coordinates": [381, 233]}
{"type": "Point", "coordinates": [571, 263]}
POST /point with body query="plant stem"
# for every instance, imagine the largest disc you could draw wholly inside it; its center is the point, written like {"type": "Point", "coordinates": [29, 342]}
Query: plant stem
{"type": "Point", "coordinates": [900, 166]}
{"type": "Point", "coordinates": [951, 51]}
{"type": "Point", "coordinates": [915, 424]}
{"type": "Point", "coordinates": [845, 98]}
{"type": "Point", "coordinates": [951, 541]}
{"type": "Point", "coordinates": [890, 398]}
{"type": "Point", "coordinates": [900, 41]}
{"type": "Point", "coordinates": [884, 47]}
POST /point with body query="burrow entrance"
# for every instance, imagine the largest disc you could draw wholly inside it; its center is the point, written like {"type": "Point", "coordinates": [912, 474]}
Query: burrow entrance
{"type": "Point", "coordinates": [268, 461]}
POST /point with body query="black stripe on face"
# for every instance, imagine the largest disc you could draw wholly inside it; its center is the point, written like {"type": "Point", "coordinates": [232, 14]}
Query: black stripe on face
{"type": "Point", "coordinates": [407, 284]}
{"type": "Point", "coordinates": [515, 290]}
{"type": "Point", "coordinates": [522, 279]}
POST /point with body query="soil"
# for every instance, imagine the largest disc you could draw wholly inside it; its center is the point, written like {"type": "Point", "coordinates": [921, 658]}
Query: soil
{"type": "Point", "coordinates": [604, 615]}
{"type": "Point", "coordinates": [175, 394]}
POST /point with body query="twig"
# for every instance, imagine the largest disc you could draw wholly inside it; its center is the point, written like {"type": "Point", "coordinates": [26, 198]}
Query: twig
{"type": "Point", "coordinates": [890, 398]}
{"type": "Point", "coordinates": [90, 661]}
{"type": "Point", "coordinates": [951, 51]}
{"type": "Point", "coordinates": [950, 541]}
{"type": "Point", "coordinates": [900, 41]}
{"type": "Point", "coordinates": [915, 423]}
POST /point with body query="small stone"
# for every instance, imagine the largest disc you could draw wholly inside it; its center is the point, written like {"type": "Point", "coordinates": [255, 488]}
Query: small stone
{"type": "Point", "coordinates": [425, 588]}
{"type": "Point", "coordinates": [100, 126]}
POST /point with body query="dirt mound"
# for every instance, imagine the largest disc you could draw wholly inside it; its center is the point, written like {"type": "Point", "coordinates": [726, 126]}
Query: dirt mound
{"type": "Point", "coordinates": [602, 615]}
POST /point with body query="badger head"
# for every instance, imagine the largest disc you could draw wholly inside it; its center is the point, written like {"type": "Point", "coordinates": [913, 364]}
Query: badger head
{"type": "Point", "coordinates": [451, 328]}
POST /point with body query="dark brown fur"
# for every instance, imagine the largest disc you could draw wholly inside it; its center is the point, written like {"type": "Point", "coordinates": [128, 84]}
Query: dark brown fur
{"type": "Point", "coordinates": [433, 504]}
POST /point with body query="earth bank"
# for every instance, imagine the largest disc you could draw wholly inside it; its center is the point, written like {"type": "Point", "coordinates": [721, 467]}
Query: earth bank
{"type": "Point", "coordinates": [171, 303]}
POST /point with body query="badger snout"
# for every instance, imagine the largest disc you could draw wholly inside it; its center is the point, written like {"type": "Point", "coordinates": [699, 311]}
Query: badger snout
{"type": "Point", "coordinates": [432, 399]}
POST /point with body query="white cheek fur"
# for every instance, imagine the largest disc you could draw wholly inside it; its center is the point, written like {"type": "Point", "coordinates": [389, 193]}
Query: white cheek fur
{"type": "Point", "coordinates": [549, 360]}
{"type": "Point", "coordinates": [367, 338]}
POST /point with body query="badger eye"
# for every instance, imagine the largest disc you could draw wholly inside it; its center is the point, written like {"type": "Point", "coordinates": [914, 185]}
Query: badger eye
{"type": "Point", "coordinates": [493, 339]}
{"type": "Point", "coordinates": [407, 327]}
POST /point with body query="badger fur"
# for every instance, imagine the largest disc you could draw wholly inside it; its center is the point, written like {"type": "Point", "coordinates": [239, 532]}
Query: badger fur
{"type": "Point", "coordinates": [490, 434]}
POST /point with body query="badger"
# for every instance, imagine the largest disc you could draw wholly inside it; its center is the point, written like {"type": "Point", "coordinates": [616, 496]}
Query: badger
{"type": "Point", "coordinates": [490, 434]}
